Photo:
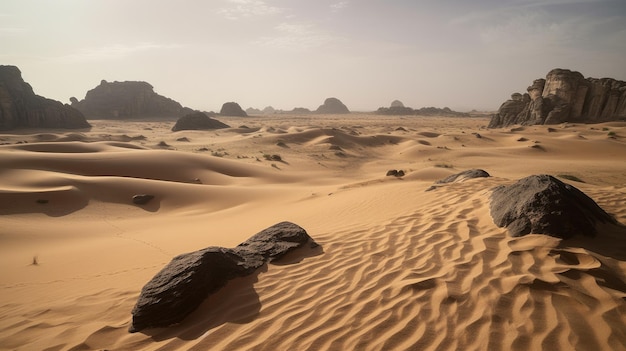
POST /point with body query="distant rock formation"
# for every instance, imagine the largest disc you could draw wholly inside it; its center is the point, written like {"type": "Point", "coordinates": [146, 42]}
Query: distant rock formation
{"type": "Point", "coordinates": [232, 109]}
{"type": "Point", "coordinates": [181, 286]}
{"type": "Point", "coordinates": [253, 111]}
{"type": "Point", "coordinates": [127, 100]}
{"type": "Point", "coordinates": [332, 106]}
{"type": "Point", "coordinates": [269, 110]}
{"type": "Point", "coordinates": [301, 110]}
{"type": "Point", "coordinates": [198, 121]}
{"type": "Point", "coordinates": [542, 204]}
{"type": "Point", "coordinates": [21, 108]}
{"type": "Point", "coordinates": [564, 96]}
{"type": "Point", "coordinates": [397, 108]}
{"type": "Point", "coordinates": [462, 176]}
{"type": "Point", "coordinates": [396, 103]}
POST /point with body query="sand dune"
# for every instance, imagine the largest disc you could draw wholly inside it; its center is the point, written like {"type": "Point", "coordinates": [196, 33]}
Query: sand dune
{"type": "Point", "coordinates": [399, 268]}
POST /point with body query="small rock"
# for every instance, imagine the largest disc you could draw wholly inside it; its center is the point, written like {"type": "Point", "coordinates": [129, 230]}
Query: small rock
{"type": "Point", "coordinates": [142, 199]}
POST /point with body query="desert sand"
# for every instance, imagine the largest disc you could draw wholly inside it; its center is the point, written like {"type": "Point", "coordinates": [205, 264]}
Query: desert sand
{"type": "Point", "coordinates": [400, 268]}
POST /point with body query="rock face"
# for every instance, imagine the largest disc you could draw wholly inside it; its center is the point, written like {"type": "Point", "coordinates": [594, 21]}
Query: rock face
{"type": "Point", "coordinates": [127, 100]}
{"type": "Point", "coordinates": [564, 96]}
{"type": "Point", "coordinates": [332, 106]}
{"type": "Point", "coordinates": [21, 108]}
{"type": "Point", "coordinates": [232, 109]}
{"type": "Point", "coordinates": [542, 204]}
{"type": "Point", "coordinates": [198, 121]}
{"type": "Point", "coordinates": [182, 285]}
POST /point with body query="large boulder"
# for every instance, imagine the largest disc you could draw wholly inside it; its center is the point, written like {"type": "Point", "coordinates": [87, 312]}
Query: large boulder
{"type": "Point", "coordinates": [232, 109]}
{"type": "Point", "coordinates": [181, 286]}
{"type": "Point", "coordinates": [198, 121]}
{"type": "Point", "coordinates": [565, 96]}
{"type": "Point", "coordinates": [127, 100]}
{"type": "Point", "coordinates": [20, 107]}
{"type": "Point", "coordinates": [542, 204]}
{"type": "Point", "coordinates": [332, 106]}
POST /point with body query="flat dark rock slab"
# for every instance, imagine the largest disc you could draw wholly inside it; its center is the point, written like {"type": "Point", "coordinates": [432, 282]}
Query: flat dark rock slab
{"type": "Point", "coordinates": [181, 286]}
{"type": "Point", "coordinates": [542, 204]}
{"type": "Point", "coordinates": [469, 174]}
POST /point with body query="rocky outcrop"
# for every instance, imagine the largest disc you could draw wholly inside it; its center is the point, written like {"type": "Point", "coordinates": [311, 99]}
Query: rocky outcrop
{"type": "Point", "coordinates": [181, 286]}
{"type": "Point", "coordinates": [20, 107]}
{"type": "Point", "coordinates": [127, 100]}
{"type": "Point", "coordinates": [542, 204]}
{"type": "Point", "coordinates": [564, 96]}
{"type": "Point", "coordinates": [198, 121]}
{"type": "Point", "coordinates": [232, 109]}
{"type": "Point", "coordinates": [300, 110]}
{"type": "Point", "coordinates": [253, 111]}
{"type": "Point", "coordinates": [332, 106]}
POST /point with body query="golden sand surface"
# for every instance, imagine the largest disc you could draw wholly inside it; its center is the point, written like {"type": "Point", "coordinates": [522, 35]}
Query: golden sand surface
{"type": "Point", "coordinates": [401, 269]}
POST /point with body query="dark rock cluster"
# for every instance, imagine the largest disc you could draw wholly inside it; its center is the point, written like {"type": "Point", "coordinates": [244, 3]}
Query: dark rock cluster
{"type": "Point", "coordinates": [20, 107]}
{"type": "Point", "coordinates": [397, 108]}
{"type": "Point", "coordinates": [564, 96]}
{"type": "Point", "coordinates": [181, 286]}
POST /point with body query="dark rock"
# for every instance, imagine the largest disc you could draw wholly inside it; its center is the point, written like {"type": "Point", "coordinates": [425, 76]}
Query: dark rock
{"type": "Point", "coordinates": [142, 199]}
{"type": "Point", "coordinates": [565, 96]}
{"type": "Point", "coordinates": [232, 109]}
{"type": "Point", "coordinates": [542, 204]}
{"type": "Point", "coordinates": [198, 121]}
{"type": "Point", "coordinates": [395, 173]}
{"type": "Point", "coordinates": [21, 108]}
{"type": "Point", "coordinates": [128, 100]}
{"type": "Point", "coordinates": [332, 106]}
{"type": "Point", "coordinates": [181, 286]}
{"type": "Point", "coordinates": [469, 174]}
{"type": "Point", "coordinates": [183, 139]}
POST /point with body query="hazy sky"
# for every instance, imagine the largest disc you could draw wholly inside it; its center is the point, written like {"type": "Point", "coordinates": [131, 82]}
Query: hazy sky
{"type": "Point", "coordinates": [295, 53]}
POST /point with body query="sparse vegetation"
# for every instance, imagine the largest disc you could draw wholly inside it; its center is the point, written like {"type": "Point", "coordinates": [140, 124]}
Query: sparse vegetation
{"type": "Point", "coordinates": [444, 165]}
{"type": "Point", "coordinates": [611, 134]}
{"type": "Point", "coordinates": [35, 261]}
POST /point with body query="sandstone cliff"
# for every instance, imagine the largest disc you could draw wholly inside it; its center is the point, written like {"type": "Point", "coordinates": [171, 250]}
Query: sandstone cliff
{"type": "Point", "coordinates": [127, 100]}
{"type": "Point", "coordinates": [564, 96]}
{"type": "Point", "coordinates": [21, 108]}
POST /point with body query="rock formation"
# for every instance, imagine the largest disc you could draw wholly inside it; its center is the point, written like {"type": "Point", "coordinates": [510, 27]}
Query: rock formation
{"type": "Point", "coordinates": [182, 285]}
{"type": "Point", "coordinates": [542, 204]}
{"type": "Point", "coordinates": [396, 103]}
{"type": "Point", "coordinates": [253, 111]}
{"type": "Point", "coordinates": [564, 96]}
{"type": "Point", "coordinates": [127, 100]}
{"type": "Point", "coordinates": [232, 109]}
{"type": "Point", "coordinates": [398, 109]}
{"type": "Point", "coordinates": [21, 108]}
{"type": "Point", "coordinates": [268, 110]}
{"type": "Point", "coordinates": [300, 110]}
{"type": "Point", "coordinates": [198, 121]}
{"type": "Point", "coordinates": [332, 106]}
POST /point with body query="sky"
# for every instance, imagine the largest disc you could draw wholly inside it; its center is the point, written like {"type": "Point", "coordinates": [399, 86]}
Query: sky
{"type": "Point", "coordinates": [294, 53]}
